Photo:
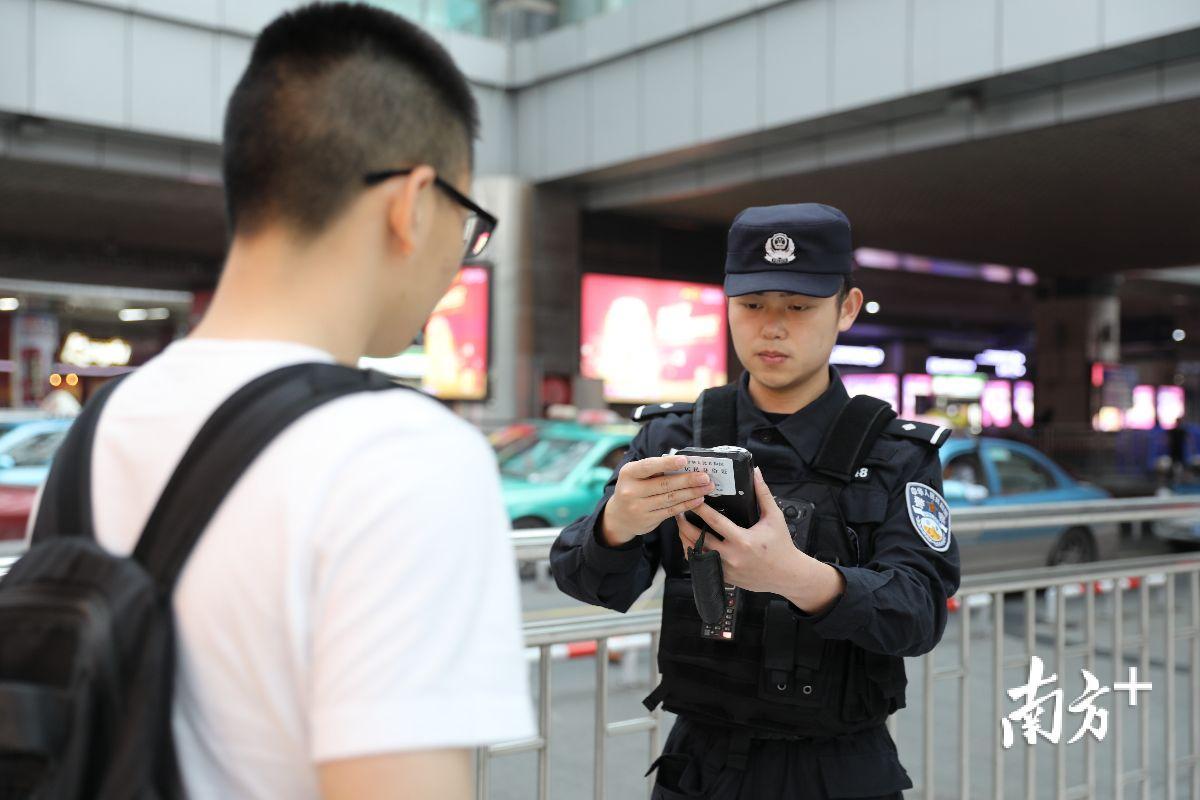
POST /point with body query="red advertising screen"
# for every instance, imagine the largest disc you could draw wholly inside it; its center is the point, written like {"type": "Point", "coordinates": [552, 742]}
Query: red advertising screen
{"type": "Point", "coordinates": [456, 340]}
{"type": "Point", "coordinates": [652, 340]}
{"type": "Point", "coordinates": [450, 360]}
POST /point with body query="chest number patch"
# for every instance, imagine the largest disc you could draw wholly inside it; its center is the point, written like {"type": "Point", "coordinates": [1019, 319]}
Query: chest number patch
{"type": "Point", "coordinates": [930, 515]}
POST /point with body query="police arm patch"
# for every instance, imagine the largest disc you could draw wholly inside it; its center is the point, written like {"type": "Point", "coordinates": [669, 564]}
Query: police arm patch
{"type": "Point", "coordinates": [930, 515]}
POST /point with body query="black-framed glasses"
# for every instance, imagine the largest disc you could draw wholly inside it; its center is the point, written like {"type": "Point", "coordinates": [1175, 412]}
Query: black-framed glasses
{"type": "Point", "coordinates": [477, 230]}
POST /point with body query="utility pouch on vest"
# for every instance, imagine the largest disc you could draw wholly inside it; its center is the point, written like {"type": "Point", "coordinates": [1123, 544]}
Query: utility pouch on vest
{"type": "Point", "coordinates": [779, 648]}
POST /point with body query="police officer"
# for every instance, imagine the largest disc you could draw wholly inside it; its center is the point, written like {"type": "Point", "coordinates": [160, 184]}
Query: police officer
{"type": "Point", "coordinates": [787, 697]}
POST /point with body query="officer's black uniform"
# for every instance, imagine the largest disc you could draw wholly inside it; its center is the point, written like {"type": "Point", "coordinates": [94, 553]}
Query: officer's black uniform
{"type": "Point", "coordinates": [897, 581]}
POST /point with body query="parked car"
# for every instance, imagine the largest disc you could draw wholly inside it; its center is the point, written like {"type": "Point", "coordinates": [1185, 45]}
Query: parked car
{"type": "Point", "coordinates": [1180, 534]}
{"type": "Point", "coordinates": [996, 472]}
{"type": "Point", "coordinates": [12, 417]}
{"type": "Point", "coordinates": [27, 449]}
{"type": "Point", "coordinates": [16, 504]}
{"type": "Point", "coordinates": [554, 472]}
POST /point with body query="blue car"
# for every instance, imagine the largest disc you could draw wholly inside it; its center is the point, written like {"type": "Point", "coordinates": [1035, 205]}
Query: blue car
{"type": "Point", "coordinates": [27, 449]}
{"type": "Point", "coordinates": [997, 472]}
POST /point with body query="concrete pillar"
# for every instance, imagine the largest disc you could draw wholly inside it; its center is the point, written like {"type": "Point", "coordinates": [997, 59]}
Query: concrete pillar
{"type": "Point", "coordinates": [906, 356]}
{"type": "Point", "coordinates": [556, 274]}
{"type": "Point", "coordinates": [1077, 323]}
{"type": "Point", "coordinates": [511, 381]}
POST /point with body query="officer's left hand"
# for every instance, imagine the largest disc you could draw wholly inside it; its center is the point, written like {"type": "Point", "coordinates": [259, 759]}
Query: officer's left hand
{"type": "Point", "coordinates": [761, 558]}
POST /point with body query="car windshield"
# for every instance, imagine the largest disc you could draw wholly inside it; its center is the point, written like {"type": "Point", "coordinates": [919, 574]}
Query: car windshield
{"type": "Point", "coordinates": [34, 451]}
{"type": "Point", "coordinates": [539, 460]}
{"type": "Point", "coordinates": [512, 439]}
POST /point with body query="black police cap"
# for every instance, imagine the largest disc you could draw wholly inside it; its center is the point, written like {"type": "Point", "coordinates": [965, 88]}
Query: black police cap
{"type": "Point", "coordinates": [802, 248]}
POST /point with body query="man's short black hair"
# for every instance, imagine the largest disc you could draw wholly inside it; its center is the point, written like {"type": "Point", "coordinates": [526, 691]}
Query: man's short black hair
{"type": "Point", "coordinates": [333, 91]}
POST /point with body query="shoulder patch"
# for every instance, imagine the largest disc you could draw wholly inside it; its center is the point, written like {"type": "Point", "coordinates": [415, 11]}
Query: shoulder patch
{"type": "Point", "coordinates": [932, 435]}
{"type": "Point", "coordinates": [643, 413]}
{"type": "Point", "coordinates": [929, 514]}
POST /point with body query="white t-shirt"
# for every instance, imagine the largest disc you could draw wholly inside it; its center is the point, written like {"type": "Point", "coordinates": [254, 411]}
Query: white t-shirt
{"type": "Point", "coordinates": [355, 593]}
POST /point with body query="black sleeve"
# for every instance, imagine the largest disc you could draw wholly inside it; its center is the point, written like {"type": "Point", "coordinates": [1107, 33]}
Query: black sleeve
{"type": "Point", "coordinates": [589, 570]}
{"type": "Point", "coordinates": [896, 603]}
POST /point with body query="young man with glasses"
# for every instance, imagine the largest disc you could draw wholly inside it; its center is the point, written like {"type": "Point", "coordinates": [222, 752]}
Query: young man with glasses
{"type": "Point", "coordinates": [347, 626]}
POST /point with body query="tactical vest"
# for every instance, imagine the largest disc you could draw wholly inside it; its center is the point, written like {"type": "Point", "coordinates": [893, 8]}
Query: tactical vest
{"type": "Point", "coordinates": [779, 677]}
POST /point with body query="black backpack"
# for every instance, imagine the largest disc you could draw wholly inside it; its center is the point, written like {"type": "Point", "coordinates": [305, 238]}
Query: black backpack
{"type": "Point", "coordinates": [87, 644]}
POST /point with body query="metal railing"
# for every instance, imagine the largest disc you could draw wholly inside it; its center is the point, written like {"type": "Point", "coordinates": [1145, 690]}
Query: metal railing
{"type": "Point", "coordinates": [533, 544]}
{"type": "Point", "coordinates": [1073, 599]}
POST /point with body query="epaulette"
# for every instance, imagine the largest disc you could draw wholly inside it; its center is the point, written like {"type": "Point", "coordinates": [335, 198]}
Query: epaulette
{"type": "Point", "coordinates": [932, 435]}
{"type": "Point", "coordinates": [643, 413]}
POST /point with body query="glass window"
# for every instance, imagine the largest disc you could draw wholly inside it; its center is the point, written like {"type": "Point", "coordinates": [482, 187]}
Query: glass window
{"type": "Point", "coordinates": [965, 469]}
{"type": "Point", "coordinates": [545, 460]}
{"type": "Point", "coordinates": [38, 450]}
{"type": "Point", "coordinates": [1018, 473]}
{"type": "Point", "coordinates": [613, 459]}
{"type": "Point", "coordinates": [468, 16]}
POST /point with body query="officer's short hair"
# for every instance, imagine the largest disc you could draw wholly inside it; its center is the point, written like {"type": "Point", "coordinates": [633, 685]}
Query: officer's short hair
{"type": "Point", "coordinates": [847, 285]}
{"type": "Point", "coordinates": [334, 91]}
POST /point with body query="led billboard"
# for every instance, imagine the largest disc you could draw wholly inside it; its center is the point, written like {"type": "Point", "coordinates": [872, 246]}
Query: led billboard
{"type": "Point", "coordinates": [652, 340]}
{"type": "Point", "coordinates": [450, 360]}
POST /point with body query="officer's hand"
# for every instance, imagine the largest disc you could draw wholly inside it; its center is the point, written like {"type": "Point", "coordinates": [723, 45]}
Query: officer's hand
{"type": "Point", "coordinates": [761, 558]}
{"type": "Point", "coordinates": [644, 496]}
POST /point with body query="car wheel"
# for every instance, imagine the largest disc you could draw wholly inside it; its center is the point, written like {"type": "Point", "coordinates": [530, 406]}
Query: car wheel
{"type": "Point", "coordinates": [1076, 546]}
{"type": "Point", "coordinates": [527, 570]}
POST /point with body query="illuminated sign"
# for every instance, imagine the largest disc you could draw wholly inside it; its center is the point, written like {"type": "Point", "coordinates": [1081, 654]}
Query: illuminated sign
{"type": "Point", "coordinates": [451, 361]}
{"type": "Point", "coordinates": [1115, 383]}
{"type": "Point", "coordinates": [958, 387]}
{"type": "Point", "coordinates": [1170, 406]}
{"type": "Point", "coordinates": [652, 340]}
{"type": "Point", "coordinates": [915, 386]}
{"type": "Point", "coordinates": [1023, 402]}
{"type": "Point", "coordinates": [83, 351]}
{"type": "Point", "coordinates": [1140, 416]}
{"type": "Point", "coordinates": [997, 404]}
{"type": "Point", "coordinates": [1007, 363]}
{"type": "Point", "coordinates": [935, 365]}
{"type": "Point", "coordinates": [852, 356]}
{"type": "Point", "coordinates": [885, 387]}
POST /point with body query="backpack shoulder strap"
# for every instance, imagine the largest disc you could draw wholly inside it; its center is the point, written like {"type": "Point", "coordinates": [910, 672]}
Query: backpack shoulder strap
{"type": "Point", "coordinates": [714, 416]}
{"type": "Point", "coordinates": [849, 439]}
{"type": "Point", "coordinates": [65, 508]}
{"type": "Point", "coordinates": [227, 444]}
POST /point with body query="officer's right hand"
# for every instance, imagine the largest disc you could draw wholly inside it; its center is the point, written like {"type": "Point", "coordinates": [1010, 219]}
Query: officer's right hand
{"type": "Point", "coordinates": [645, 496]}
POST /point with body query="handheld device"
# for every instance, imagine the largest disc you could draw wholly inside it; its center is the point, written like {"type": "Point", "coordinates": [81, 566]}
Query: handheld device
{"type": "Point", "coordinates": [731, 470]}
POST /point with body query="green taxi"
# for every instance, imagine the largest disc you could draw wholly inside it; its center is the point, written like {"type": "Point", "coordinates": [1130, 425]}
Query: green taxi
{"type": "Point", "coordinates": [553, 472]}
